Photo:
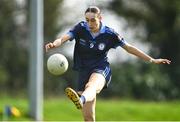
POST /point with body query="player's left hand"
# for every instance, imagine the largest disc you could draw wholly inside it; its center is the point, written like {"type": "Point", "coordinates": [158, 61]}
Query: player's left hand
{"type": "Point", "coordinates": [161, 61]}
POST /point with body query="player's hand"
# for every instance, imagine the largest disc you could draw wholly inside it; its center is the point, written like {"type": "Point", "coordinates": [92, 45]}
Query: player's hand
{"type": "Point", "coordinates": [161, 61]}
{"type": "Point", "coordinates": [49, 46]}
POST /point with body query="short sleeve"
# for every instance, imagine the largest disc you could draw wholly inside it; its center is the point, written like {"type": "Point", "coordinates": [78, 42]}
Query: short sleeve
{"type": "Point", "coordinates": [118, 40]}
{"type": "Point", "coordinates": [73, 32]}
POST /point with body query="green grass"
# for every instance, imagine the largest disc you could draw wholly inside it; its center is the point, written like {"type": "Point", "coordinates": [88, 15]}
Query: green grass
{"type": "Point", "coordinates": [61, 109]}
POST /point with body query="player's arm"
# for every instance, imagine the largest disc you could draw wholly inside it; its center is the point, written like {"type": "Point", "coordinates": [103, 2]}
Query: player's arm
{"type": "Point", "coordinates": [137, 52]}
{"type": "Point", "coordinates": [57, 42]}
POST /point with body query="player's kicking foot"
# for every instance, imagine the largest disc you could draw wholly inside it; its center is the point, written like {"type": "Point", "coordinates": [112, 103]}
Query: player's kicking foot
{"type": "Point", "coordinates": [74, 97]}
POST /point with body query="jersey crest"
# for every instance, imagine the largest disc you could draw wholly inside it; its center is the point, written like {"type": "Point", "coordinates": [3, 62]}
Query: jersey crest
{"type": "Point", "coordinates": [101, 46]}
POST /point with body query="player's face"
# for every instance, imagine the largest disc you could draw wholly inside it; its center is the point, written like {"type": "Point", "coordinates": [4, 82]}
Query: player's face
{"type": "Point", "coordinates": [93, 21]}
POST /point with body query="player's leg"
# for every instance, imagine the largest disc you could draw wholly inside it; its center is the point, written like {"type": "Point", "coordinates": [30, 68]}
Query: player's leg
{"type": "Point", "coordinates": [89, 110]}
{"type": "Point", "coordinates": [97, 80]}
{"type": "Point", "coordinates": [95, 85]}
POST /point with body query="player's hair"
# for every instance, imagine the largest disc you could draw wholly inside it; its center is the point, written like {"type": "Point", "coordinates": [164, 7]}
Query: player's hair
{"type": "Point", "coordinates": [93, 9]}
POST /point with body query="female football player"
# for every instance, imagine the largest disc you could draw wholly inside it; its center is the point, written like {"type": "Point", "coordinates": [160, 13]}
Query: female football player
{"type": "Point", "coordinates": [93, 41]}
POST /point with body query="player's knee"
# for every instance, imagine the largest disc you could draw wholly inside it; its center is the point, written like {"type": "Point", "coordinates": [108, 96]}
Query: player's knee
{"type": "Point", "coordinates": [89, 84]}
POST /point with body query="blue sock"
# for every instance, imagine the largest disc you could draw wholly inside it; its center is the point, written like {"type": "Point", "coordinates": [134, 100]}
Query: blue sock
{"type": "Point", "coordinates": [83, 99]}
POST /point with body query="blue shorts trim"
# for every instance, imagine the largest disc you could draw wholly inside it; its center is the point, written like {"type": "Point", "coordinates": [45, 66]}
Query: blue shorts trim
{"type": "Point", "coordinates": [84, 76]}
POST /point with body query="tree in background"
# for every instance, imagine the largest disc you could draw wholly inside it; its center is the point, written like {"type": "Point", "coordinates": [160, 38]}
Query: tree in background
{"type": "Point", "coordinates": [14, 44]}
{"type": "Point", "coordinates": [52, 14]}
{"type": "Point", "coordinates": [161, 20]}
{"type": "Point", "coordinates": [13, 57]}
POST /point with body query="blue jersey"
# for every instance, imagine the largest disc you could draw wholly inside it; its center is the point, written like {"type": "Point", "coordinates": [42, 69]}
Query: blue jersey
{"type": "Point", "coordinates": [91, 50]}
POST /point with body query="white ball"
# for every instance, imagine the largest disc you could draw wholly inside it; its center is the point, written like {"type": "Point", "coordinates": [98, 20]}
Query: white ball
{"type": "Point", "coordinates": [57, 64]}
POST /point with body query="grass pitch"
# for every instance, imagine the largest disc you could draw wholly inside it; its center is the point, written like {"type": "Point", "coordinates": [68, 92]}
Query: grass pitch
{"type": "Point", "coordinates": [61, 109]}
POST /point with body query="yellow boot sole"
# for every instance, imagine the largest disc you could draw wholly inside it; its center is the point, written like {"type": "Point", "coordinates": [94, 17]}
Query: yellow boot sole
{"type": "Point", "coordinates": [73, 96]}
